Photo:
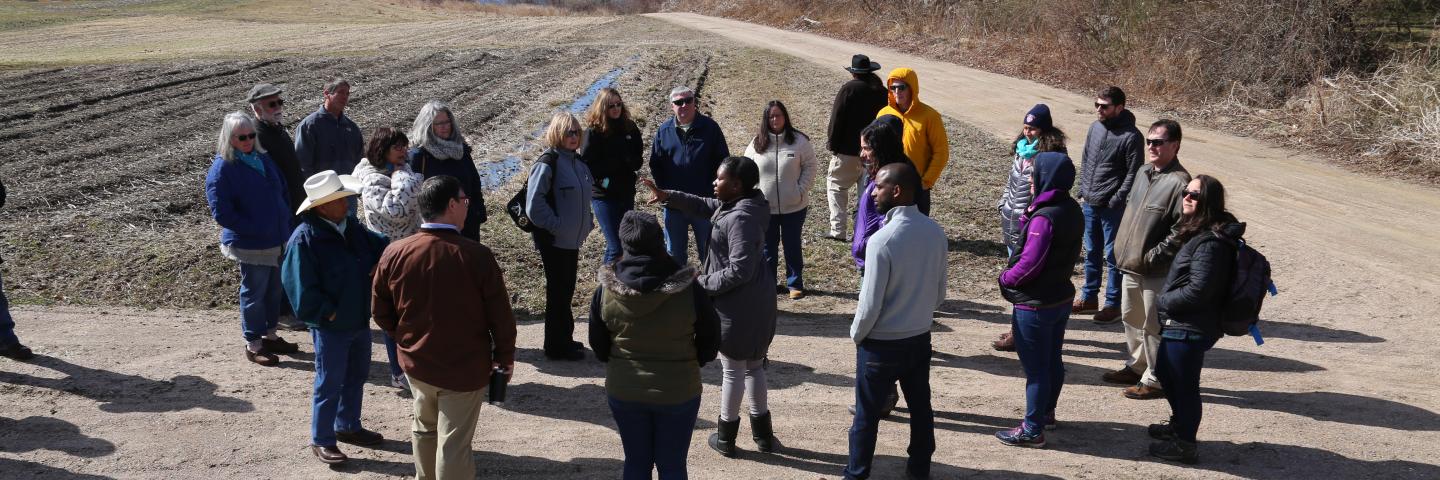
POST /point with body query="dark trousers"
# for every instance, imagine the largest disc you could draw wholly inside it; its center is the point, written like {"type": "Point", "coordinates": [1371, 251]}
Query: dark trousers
{"type": "Point", "coordinates": [7, 323]}
{"type": "Point", "coordinates": [392, 354]}
{"type": "Point", "coordinates": [608, 212]}
{"type": "Point", "coordinates": [561, 266]}
{"type": "Point", "coordinates": [878, 365]}
{"type": "Point", "coordinates": [1101, 226]}
{"type": "Point", "coordinates": [342, 363]}
{"type": "Point", "coordinates": [260, 297]}
{"type": "Point", "coordinates": [922, 201]}
{"type": "Point", "coordinates": [785, 228]}
{"type": "Point", "coordinates": [655, 436]}
{"type": "Point", "coordinates": [677, 226]}
{"type": "Point", "coordinates": [1039, 335]}
{"type": "Point", "coordinates": [1178, 365]}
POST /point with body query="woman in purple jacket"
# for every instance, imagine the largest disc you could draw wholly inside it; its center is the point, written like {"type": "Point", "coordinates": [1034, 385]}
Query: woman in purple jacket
{"type": "Point", "coordinates": [880, 145]}
{"type": "Point", "coordinates": [1037, 282]}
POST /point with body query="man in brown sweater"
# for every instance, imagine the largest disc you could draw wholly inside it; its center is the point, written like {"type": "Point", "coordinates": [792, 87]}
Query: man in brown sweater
{"type": "Point", "coordinates": [443, 299]}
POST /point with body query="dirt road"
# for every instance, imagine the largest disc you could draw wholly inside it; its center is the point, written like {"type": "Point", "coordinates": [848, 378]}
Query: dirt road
{"type": "Point", "coordinates": [1339, 390]}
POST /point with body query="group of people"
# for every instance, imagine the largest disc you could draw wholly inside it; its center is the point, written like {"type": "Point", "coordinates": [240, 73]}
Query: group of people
{"type": "Point", "coordinates": [396, 242]}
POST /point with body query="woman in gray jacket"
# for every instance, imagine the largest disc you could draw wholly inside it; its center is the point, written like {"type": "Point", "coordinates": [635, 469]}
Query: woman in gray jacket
{"type": "Point", "coordinates": [736, 277]}
{"type": "Point", "coordinates": [1037, 134]}
{"type": "Point", "coordinates": [559, 203]}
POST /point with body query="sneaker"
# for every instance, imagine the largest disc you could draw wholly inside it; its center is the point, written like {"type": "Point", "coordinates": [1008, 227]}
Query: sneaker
{"type": "Point", "coordinates": [16, 351]}
{"type": "Point", "coordinates": [1123, 376]}
{"type": "Point", "coordinates": [1161, 431]}
{"type": "Point", "coordinates": [279, 345]}
{"type": "Point", "coordinates": [1107, 315]}
{"type": "Point", "coordinates": [1175, 450]}
{"type": "Point", "coordinates": [1006, 343]}
{"type": "Point", "coordinates": [1018, 437]}
{"type": "Point", "coordinates": [362, 437]}
{"type": "Point", "coordinates": [796, 294]}
{"type": "Point", "coordinates": [1143, 392]}
{"type": "Point", "coordinates": [836, 236]}
{"type": "Point", "coordinates": [400, 382]}
{"type": "Point", "coordinates": [1084, 306]}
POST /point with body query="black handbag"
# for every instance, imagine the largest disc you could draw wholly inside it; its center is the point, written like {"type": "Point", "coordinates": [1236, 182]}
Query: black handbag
{"type": "Point", "coordinates": [516, 206]}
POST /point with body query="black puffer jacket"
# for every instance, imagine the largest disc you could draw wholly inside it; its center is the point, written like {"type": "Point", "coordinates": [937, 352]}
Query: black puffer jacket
{"type": "Point", "coordinates": [1199, 281]}
{"type": "Point", "coordinates": [613, 160]}
{"type": "Point", "coordinates": [1114, 151]}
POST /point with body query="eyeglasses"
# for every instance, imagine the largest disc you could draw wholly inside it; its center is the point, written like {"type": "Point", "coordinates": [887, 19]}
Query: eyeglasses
{"type": "Point", "coordinates": [680, 102]}
{"type": "Point", "coordinates": [1102, 106]}
{"type": "Point", "coordinates": [1193, 195]}
{"type": "Point", "coordinates": [899, 87]}
{"type": "Point", "coordinates": [249, 136]}
{"type": "Point", "coordinates": [572, 133]}
{"type": "Point", "coordinates": [1155, 142]}
{"type": "Point", "coordinates": [276, 103]}
{"type": "Point", "coordinates": [615, 105]}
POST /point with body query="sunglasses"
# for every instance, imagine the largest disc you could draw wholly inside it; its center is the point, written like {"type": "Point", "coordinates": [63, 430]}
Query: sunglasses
{"type": "Point", "coordinates": [615, 105]}
{"type": "Point", "coordinates": [276, 103]}
{"type": "Point", "coordinates": [1102, 106]}
{"type": "Point", "coordinates": [899, 87]}
{"type": "Point", "coordinates": [572, 133]}
{"type": "Point", "coordinates": [1192, 194]}
{"type": "Point", "coordinates": [1155, 142]}
{"type": "Point", "coordinates": [249, 136]}
{"type": "Point", "coordinates": [683, 101]}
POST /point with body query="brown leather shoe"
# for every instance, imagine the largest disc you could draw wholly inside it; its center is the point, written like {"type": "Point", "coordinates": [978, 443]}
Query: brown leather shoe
{"type": "Point", "coordinates": [1143, 392]}
{"type": "Point", "coordinates": [329, 455]}
{"type": "Point", "coordinates": [1123, 376]}
{"type": "Point", "coordinates": [1106, 316]}
{"type": "Point", "coordinates": [797, 294]}
{"type": "Point", "coordinates": [1006, 343]}
{"type": "Point", "coordinates": [262, 357]}
{"type": "Point", "coordinates": [279, 345]}
{"type": "Point", "coordinates": [1084, 306]}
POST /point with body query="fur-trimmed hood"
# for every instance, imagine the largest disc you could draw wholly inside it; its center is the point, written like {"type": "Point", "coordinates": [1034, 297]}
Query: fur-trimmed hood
{"type": "Point", "coordinates": [675, 283]}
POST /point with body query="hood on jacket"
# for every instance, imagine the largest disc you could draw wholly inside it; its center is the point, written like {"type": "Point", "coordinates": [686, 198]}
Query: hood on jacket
{"type": "Point", "coordinates": [912, 80]}
{"type": "Point", "coordinates": [1125, 120]}
{"type": "Point", "coordinates": [1053, 171]}
{"type": "Point", "coordinates": [1233, 229]}
{"type": "Point", "coordinates": [639, 302]}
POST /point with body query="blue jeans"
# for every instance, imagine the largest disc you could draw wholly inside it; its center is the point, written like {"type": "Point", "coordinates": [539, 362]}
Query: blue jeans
{"type": "Point", "coordinates": [7, 323]}
{"type": "Point", "coordinates": [1101, 223]}
{"type": "Point", "coordinates": [878, 365]}
{"type": "Point", "coordinates": [676, 240]}
{"type": "Point", "coordinates": [342, 363]}
{"type": "Point", "coordinates": [608, 212]}
{"type": "Point", "coordinates": [786, 228]}
{"type": "Point", "coordinates": [655, 435]}
{"type": "Point", "coordinates": [1178, 366]}
{"type": "Point", "coordinates": [260, 300]}
{"type": "Point", "coordinates": [392, 355]}
{"type": "Point", "coordinates": [1039, 335]}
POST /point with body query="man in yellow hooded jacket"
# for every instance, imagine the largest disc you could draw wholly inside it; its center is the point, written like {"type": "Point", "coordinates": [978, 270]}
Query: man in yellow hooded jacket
{"type": "Point", "coordinates": [924, 133]}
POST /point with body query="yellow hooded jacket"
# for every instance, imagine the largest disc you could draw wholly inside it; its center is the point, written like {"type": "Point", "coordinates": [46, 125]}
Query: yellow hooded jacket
{"type": "Point", "coordinates": [924, 136]}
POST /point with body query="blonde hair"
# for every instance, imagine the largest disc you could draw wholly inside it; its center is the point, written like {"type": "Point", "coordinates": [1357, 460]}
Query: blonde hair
{"type": "Point", "coordinates": [233, 121]}
{"type": "Point", "coordinates": [597, 116]}
{"type": "Point", "coordinates": [555, 133]}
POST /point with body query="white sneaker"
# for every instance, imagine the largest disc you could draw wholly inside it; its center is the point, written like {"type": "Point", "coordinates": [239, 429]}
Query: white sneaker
{"type": "Point", "coordinates": [400, 382]}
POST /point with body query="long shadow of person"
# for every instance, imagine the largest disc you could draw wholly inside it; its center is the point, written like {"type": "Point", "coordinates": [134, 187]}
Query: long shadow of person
{"type": "Point", "coordinates": [827, 464]}
{"type": "Point", "coordinates": [1331, 407]}
{"type": "Point", "coordinates": [13, 468]}
{"type": "Point", "coordinates": [46, 433]}
{"type": "Point", "coordinates": [499, 465]}
{"type": "Point", "coordinates": [1314, 333]}
{"type": "Point", "coordinates": [1009, 366]}
{"type": "Point", "coordinates": [122, 393]}
{"type": "Point", "coordinates": [1270, 460]}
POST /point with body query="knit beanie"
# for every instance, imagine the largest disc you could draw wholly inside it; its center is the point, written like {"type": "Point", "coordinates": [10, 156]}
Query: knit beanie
{"type": "Point", "coordinates": [1039, 117]}
{"type": "Point", "coordinates": [640, 234]}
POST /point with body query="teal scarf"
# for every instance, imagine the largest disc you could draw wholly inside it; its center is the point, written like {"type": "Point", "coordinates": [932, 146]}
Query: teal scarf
{"type": "Point", "coordinates": [1026, 148]}
{"type": "Point", "coordinates": [252, 159]}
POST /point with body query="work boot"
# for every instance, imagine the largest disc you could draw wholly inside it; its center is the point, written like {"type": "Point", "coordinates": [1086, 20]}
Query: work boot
{"type": "Point", "coordinates": [1107, 315]}
{"type": "Point", "coordinates": [764, 435]}
{"type": "Point", "coordinates": [1006, 343]}
{"type": "Point", "coordinates": [1084, 306]}
{"type": "Point", "coordinates": [723, 440]}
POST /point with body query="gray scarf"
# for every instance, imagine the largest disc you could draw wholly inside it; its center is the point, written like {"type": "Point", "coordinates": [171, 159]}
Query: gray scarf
{"type": "Point", "coordinates": [444, 149]}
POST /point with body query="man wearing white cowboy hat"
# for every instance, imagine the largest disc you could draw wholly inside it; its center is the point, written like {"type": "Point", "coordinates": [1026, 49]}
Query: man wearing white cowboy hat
{"type": "Point", "coordinates": [327, 269]}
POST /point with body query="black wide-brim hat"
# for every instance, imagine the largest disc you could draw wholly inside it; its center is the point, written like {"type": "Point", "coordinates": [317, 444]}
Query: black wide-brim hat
{"type": "Point", "coordinates": [860, 63]}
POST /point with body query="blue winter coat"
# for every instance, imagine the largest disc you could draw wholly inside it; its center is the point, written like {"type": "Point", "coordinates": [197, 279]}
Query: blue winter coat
{"type": "Point", "coordinates": [253, 209]}
{"type": "Point", "coordinates": [687, 162]}
{"type": "Point", "coordinates": [326, 274]}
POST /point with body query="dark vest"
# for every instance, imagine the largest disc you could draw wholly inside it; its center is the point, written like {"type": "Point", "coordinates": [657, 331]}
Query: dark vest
{"type": "Point", "coordinates": [1052, 286]}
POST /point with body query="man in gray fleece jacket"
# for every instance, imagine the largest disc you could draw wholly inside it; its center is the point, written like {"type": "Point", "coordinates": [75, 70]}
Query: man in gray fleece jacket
{"type": "Point", "coordinates": [904, 284]}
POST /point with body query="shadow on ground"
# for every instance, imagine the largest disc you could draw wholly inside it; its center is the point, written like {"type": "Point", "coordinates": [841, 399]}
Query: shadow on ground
{"type": "Point", "coordinates": [45, 433]}
{"type": "Point", "coordinates": [122, 393]}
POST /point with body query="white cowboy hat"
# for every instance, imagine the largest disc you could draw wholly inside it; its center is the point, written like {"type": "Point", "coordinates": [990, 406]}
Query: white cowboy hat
{"type": "Point", "coordinates": [326, 186]}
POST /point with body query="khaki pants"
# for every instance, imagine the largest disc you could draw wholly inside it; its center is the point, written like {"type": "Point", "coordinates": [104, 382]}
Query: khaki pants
{"type": "Point", "coordinates": [1142, 323]}
{"type": "Point", "coordinates": [443, 431]}
{"type": "Point", "coordinates": [844, 173]}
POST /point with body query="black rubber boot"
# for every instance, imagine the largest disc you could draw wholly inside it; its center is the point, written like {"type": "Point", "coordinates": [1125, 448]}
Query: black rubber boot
{"type": "Point", "coordinates": [723, 440]}
{"type": "Point", "coordinates": [763, 433]}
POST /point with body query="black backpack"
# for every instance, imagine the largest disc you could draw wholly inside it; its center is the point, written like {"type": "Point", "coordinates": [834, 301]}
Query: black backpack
{"type": "Point", "coordinates": [516, 206]}
{"type": "Point", "coordinates": [1248, 287]}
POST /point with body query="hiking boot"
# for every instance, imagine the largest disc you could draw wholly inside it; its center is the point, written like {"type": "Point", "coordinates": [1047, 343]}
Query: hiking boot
{"type": "Point", "coordinates": [1006, 343]}
{"type": "Point", "coordinates": [263, 357]}
{"type": "Point", "coordinates": [362, 437]}
{"type": "Point", "coordinates": [279, 345]}
{"type": "Point", "coordinates": [1123, 376]}
{"type": "Point", "coordinates": [796, 294]}
{"type": "Point", "coordinates": [763, 433]}
{"type": "Point", "coordinates": [1107, 315]}
{"type": "Point", "coordinates": [329, 455]}
{"type": "Point", "coordinates": [1175, 450]}
{"type": "Point", "coordinates": [1161, 431]}
{"type": "Point", "coordinates": [1084, 306]}
{"type": "Point", "coordinates": [1018, 437]}
{"type": "Point", "coordinates": [1143, 392]}
{"type": "Point", "coordinates": [16, 351]}
{"type": "Point", "coordinates": [723, 440]}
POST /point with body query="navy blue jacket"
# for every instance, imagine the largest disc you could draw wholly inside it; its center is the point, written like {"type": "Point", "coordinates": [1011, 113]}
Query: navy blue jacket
{"type": "Point", "coordinates": [687, 162]}
{"type": "Point", "coordinates": [252, 208]}
{"type": "Point", "coordinates": [327, 274]}
{"type": "Point", "coordinates": [463, 169]}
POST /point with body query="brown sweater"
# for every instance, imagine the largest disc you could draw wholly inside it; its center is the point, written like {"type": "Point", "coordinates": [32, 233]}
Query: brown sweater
{"type": "Point", "coordinates": [443, 299]}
